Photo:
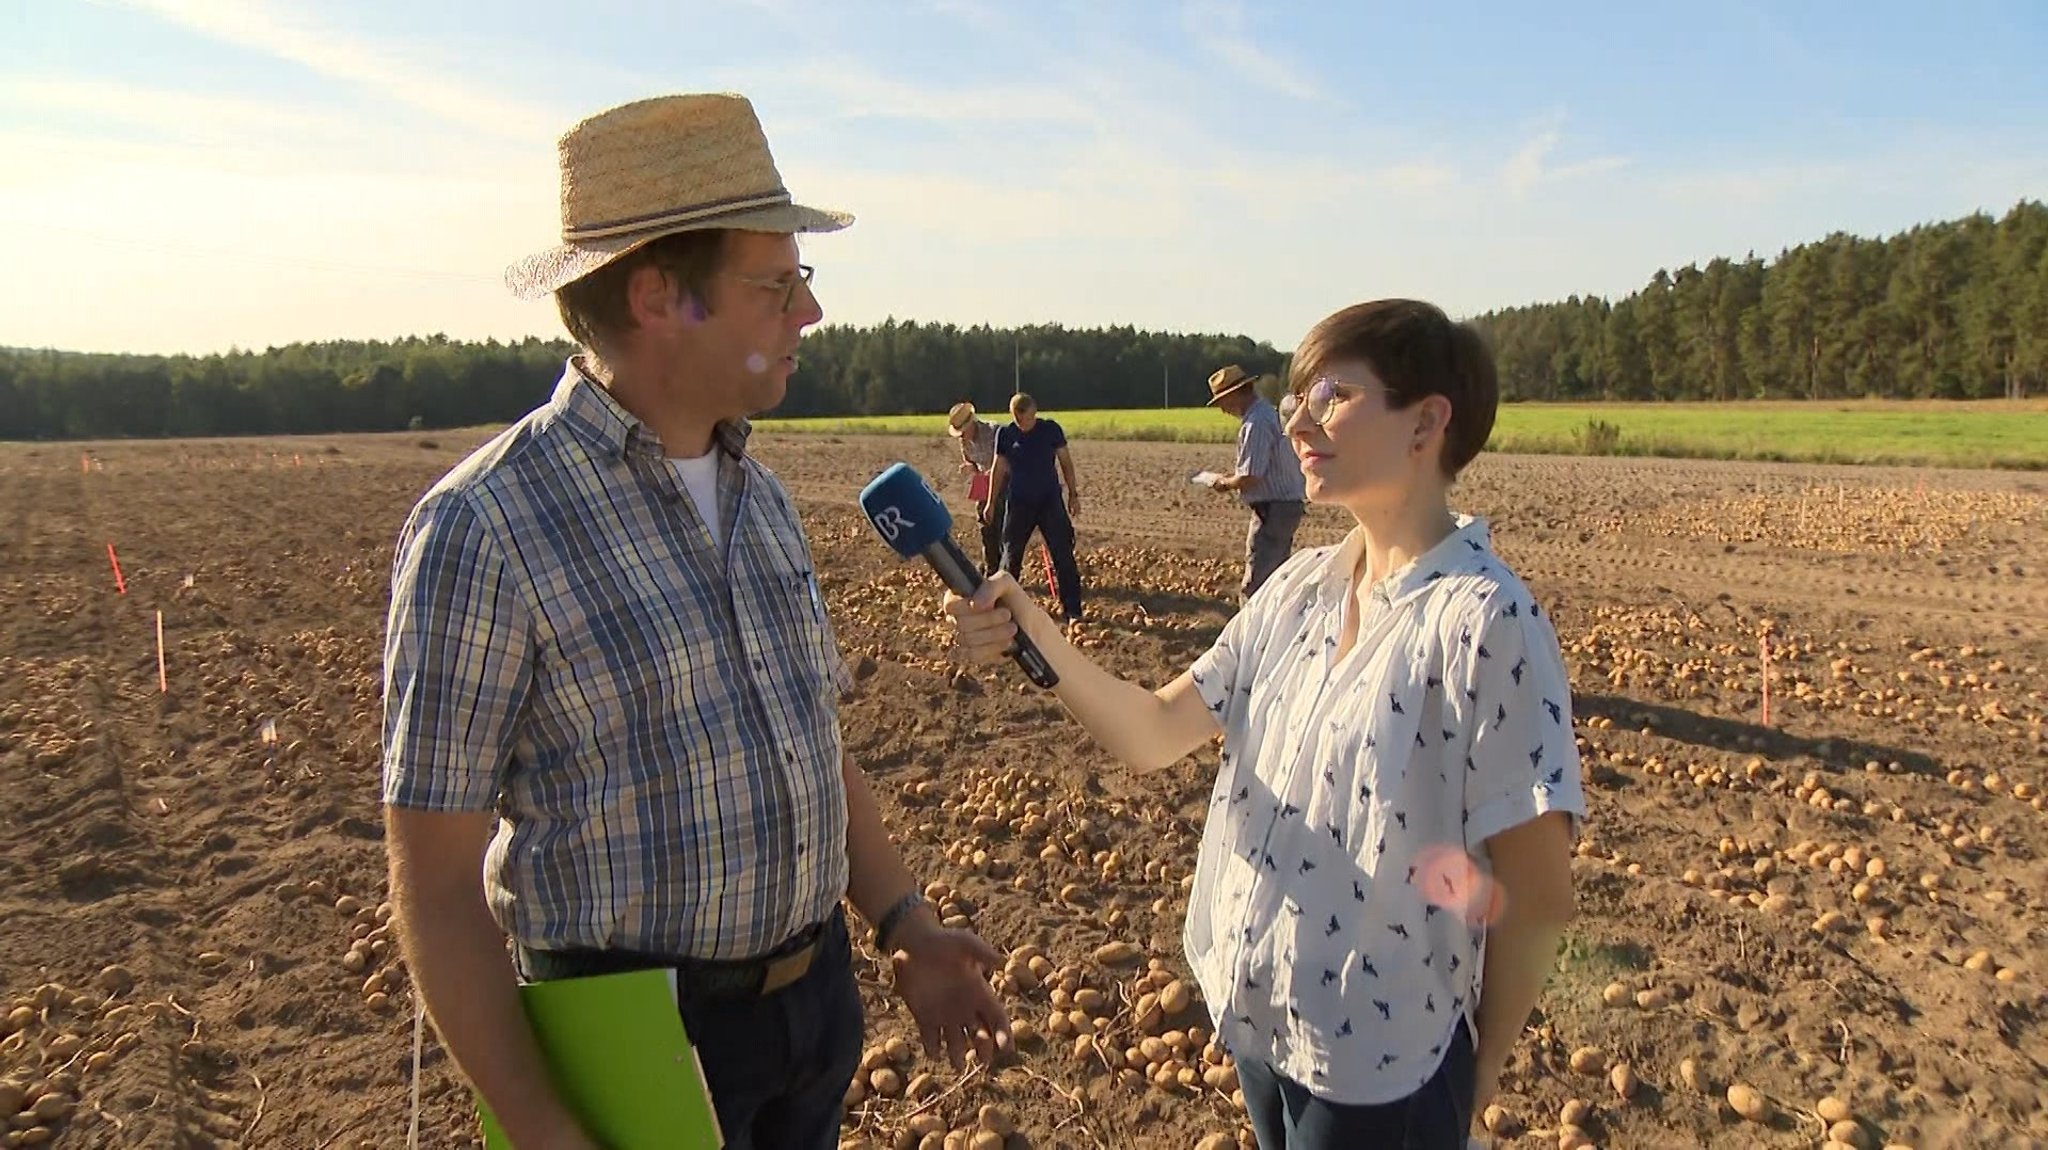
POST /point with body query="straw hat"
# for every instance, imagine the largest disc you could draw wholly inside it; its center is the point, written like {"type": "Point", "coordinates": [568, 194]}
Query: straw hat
{"type": "Point", "coordinates": [656, 167]}
{"type": "Point", "coordinates": [1228, 380]}
{"type": "Point", "coordinates": [957, 419]}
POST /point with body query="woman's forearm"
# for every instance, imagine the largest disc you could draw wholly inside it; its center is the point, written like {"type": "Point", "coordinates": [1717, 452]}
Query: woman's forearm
{"type": "Point", "coordinates": [1144, 729]}
{"type": "Point", "coordinates": [1519, 952]}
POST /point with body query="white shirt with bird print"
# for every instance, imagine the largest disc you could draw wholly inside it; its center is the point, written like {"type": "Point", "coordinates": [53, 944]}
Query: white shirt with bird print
{"type": "Point", "coordinates": [1328, 925]}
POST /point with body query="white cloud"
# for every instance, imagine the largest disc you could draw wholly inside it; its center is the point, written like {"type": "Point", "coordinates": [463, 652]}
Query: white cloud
{"type": "Point", "coordinates": [384, 69]}
{"type": "Point", "coordinates": [1530, 166]}
{"type": "Point", "coordinates": [1525, 169]}
{"type": "Point", "coordinates": [1218, 26]}
{"type": "Point", "coordinates": [848, 91]}
{"type": "Point", "coordinates": [172, 114]}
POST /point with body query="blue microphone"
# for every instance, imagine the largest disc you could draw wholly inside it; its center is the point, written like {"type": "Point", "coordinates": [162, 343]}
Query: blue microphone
{"type": "Point", "coordinates": [909, 517]}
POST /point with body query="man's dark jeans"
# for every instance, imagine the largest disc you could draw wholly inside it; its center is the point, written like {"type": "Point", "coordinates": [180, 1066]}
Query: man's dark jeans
{"type": "Point", "coordinates": [1048, 517]}
{"type": "Point", "coordinates": [779, 1064]}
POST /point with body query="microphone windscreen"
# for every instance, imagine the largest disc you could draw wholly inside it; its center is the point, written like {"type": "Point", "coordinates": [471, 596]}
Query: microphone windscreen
{"type": "Point", "coordinates": [904, 510]}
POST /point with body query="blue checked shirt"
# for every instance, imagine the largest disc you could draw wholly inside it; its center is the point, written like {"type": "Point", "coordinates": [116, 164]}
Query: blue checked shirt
{"type": "Point", "coordinates": [652, 716]}
{"type": "Point", "coordinates": [1263, 451]}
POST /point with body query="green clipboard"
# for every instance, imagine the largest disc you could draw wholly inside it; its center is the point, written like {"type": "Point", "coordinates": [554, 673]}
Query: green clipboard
{"type": "Point", "coordinates": [617, 1052]}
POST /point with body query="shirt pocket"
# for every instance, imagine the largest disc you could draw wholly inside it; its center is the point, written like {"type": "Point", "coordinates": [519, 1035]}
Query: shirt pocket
{"type": "Point", "coordinates": [788, 600]}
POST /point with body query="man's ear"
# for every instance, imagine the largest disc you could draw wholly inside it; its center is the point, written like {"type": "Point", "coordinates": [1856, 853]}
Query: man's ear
{"type": "Point", "coordinates": [653, 299]}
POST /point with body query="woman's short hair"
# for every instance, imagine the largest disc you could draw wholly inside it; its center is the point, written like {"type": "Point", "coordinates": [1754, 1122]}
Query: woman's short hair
{"type": "Point", "coordinates": [1416, 351]}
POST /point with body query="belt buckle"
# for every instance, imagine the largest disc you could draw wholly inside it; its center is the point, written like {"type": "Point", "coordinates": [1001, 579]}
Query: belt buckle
{"type": "Point", "coordinates": [787, 969]}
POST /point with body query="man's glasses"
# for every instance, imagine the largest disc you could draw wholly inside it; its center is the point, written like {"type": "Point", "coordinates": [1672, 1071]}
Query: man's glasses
{"type": "Point", "coordinates": [787, 285]}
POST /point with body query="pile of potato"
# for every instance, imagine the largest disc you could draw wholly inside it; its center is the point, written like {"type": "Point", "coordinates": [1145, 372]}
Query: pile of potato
{"type": "Point", "coordinates": [56, 1038]}
{"type": "Point", "coordinates": [372, 951]}
{"type": "Point", "coordinates": [1839, 519]}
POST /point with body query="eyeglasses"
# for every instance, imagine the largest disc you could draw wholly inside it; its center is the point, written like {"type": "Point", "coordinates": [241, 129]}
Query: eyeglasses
{"type": "Point", "coordinates": [1320, 398]}
{"type": "Point", "coordinates": [787, 285]}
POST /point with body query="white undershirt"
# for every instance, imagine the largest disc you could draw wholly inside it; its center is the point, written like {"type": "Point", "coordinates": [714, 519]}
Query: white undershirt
{"type": "Point", "coordinates": [699, 477]}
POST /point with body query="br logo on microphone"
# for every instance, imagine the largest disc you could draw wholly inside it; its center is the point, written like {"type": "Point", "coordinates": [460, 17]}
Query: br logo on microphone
{"type": "Point", "coordinates": [891, 522]}
{"type": "Point", "coordinates": [905, 511]}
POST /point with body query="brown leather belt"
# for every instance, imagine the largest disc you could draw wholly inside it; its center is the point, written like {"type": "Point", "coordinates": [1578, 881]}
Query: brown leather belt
{"type": "Point", "coordinates": [695, 977]}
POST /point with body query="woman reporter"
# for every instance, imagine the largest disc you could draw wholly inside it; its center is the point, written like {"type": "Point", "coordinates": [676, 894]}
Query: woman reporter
{"type": "Point", "coordinates": [1385, 863]}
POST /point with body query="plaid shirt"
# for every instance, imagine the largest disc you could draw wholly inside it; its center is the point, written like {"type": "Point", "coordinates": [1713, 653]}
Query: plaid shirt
{"type": "Point", "coordinates": [653, 717]}
{"type": "Point", "coordinates": [1263, 452]}
{"type": "Point", "coordinates": [979, 445]}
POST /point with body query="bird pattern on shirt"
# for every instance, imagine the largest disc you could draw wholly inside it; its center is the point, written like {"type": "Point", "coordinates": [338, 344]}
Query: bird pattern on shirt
{"type": "Point", "coordinates": [1378, 824]}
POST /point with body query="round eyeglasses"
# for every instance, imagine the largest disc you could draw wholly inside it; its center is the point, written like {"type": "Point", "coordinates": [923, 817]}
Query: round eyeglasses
{"type": "Point", "coordinates": [1319, 399]}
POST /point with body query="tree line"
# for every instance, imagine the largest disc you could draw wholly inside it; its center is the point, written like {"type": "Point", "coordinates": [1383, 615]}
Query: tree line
{"type": "Point", "coordinates": [1955, 310]}
{"type": "Point", "coordinates": [1950, 310]}
{"type": "Point", "coordinates": [434, 382]}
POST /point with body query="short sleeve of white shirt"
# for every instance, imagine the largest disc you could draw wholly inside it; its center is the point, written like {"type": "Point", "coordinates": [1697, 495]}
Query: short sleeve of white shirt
{"type": "Point", "coordinates": [1523, 760]}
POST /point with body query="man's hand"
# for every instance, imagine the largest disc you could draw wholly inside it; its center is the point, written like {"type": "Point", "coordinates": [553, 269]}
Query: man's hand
{"type": "Point", "coordinates": [1073, 505]}
{"type": "Point", "coordinates": [965, 467]}
{"type": "Point", "coordinates": [942, 976]}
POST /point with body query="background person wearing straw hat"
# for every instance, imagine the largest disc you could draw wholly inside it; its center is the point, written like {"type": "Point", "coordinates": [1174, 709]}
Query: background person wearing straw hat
{"type": "Point", "coordinates": [611, 686]}
{"type": "Point", "coordinates": [1266, 478]}
{"type": "Point", "coordinates": [977, 459]}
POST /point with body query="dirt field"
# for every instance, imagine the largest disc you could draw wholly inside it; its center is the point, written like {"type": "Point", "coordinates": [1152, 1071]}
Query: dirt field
{"type": "Point", "coordinates": [1851, 902]}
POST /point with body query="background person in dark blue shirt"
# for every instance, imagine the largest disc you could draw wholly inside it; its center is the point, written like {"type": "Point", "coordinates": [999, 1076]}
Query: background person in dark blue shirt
{"type": "Point", "coordinates": [1031, 462]}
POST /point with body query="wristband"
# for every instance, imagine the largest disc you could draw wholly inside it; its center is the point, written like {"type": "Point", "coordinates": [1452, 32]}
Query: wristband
{"type": "Point", "coordinates": [891, 918]}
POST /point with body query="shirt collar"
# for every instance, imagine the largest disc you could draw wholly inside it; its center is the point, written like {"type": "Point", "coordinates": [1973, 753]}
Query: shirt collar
{"type": "Point", "coordinates": [589, 410]}
{"type": "Point", "coordinates": [1464, 549]}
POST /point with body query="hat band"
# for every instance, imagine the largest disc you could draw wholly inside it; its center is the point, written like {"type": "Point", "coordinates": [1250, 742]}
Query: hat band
{"type": "Point", "coordinates": [695, 213]}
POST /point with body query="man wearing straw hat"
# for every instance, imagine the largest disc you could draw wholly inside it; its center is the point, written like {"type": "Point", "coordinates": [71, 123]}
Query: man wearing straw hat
{"type": "Point", "coordinates": [1266, 479]}
{"type": "Point", "coordinates": [977, 459]}
{"type": "Point", "coordinates": [611, 685]}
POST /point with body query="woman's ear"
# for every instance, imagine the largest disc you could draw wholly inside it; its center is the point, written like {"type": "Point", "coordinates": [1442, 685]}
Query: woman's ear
{"type": "Point", "coordinates": [1434, 419]}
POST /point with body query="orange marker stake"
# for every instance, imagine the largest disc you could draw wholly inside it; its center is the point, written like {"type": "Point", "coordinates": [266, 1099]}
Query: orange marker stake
{"type": "Point", "coordinates": [1764, 648]}
{"type": "Point", "coordinates": [163, 682]}
{"type": "Point", "coordinates": [120, 584]}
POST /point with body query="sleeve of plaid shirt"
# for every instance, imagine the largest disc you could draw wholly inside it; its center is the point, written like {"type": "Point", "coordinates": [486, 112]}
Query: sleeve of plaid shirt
{"type": "Point", "coordinates": [458, 662]}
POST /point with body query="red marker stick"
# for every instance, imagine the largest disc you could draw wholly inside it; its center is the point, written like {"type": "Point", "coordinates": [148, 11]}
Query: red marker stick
{"type": "Point", "coordinates": [120, 584]}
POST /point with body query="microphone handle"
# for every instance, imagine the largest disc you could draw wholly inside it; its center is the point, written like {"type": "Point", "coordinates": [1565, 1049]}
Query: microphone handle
{"type": "Point", "coordinates": [960, 573]}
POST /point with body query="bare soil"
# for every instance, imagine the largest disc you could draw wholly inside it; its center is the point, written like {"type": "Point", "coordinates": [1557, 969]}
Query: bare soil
{"type": "Point", "coordinates": [1848, 902]}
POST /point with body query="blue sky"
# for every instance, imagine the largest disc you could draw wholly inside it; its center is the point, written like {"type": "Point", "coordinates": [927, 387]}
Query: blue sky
{"type": "Point", "coordinates": [190, 175]}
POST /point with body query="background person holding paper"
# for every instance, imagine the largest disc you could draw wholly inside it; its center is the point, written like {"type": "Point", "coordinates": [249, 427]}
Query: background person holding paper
{"type": "Point", "coordinates": [1267, 478]}
{"type": "Point", "coordinates": [1385, 864]}
{"type": "Point", "coordinates": [977, 438]}
{"type": "Point", "coordinates": [611, 726]}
